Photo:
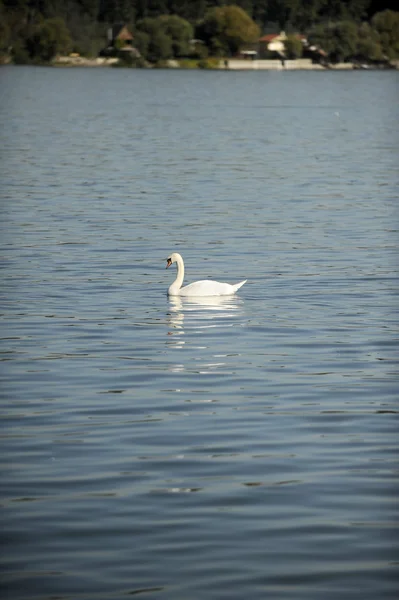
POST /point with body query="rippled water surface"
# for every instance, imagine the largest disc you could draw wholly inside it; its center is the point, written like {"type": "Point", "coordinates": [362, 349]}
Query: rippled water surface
{"type": "Point", "coordinates": [199, 448]}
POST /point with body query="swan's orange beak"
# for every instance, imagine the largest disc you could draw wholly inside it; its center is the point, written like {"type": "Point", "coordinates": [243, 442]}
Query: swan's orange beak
{"type": "Point", "coordinates": [168, 263]}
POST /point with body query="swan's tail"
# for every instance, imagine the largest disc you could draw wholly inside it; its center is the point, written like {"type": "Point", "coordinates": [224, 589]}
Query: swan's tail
{"type": "Point", "coordinates": [237, 286]}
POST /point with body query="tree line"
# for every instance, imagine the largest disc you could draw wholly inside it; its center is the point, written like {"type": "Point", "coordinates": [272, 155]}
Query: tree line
{"type": "Point", "coordinates": [34, 31]}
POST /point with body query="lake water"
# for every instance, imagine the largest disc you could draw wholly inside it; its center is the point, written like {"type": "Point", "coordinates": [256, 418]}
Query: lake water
{"type": "Point", "coordinates": [199, 449]}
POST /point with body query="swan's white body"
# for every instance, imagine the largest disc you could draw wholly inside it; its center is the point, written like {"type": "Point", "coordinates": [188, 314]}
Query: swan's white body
{"type": "Point", "coordinates": [205, 287]}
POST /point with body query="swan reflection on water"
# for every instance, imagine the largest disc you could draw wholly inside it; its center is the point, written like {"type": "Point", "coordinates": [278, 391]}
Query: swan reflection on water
{"type": "Point", "coordinates": [220, 303]}
{"type": "Point", "coordinates": [203, 312]}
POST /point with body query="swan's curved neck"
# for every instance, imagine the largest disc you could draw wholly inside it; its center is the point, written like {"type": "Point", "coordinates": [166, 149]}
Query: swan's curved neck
{"type": "Point", "coordinates": [176, 285]}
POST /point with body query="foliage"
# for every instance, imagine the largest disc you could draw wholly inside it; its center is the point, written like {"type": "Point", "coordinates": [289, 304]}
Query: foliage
{"type": "Point", "coordinates": [48, 39]}
{"type": "Point", "coordinates": [141, 42]}
{"type": "Point", "coordinates": [386, 24]}
{"type": "Point", "coordinates": [366, 42]}
{"type": "Point", "coordinates": [163, 37]}
{"type": "Point", "coordinates": [180, 31]}
{"type": "Point", "coordinates": [368, 46]}
{"type": "Point", "coordinates": [345, 40]}
{"type": "Point", "coordinates": [293, 47]}
{"type": "Point", "coordinates": [127, 59]}
{"type": "Point", "coordinates": [27, 29]}
{"type": "Point", "coordinates": [159, 47]}
{"type": "Point", "coordinates": [225, 29]}
{"type": "Point", "coordinates": [203, 63]}
{"type": "Point", "coordinates": [338, 40]}
{"type": "Point", "coordinates": [5, 35]}
{"type": "Point", "coordinates": [116, 11]}
{"type": "Point", "coordinates": [208, 63]}
{"type": "Point", "coordinates": [198, 50]}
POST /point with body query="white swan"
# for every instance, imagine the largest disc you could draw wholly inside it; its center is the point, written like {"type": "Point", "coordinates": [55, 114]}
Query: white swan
{"type": "Point", "coordinates": [205, 287]}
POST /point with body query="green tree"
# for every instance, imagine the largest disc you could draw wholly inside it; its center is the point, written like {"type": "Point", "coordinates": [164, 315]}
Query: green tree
{"type": "Point", "coordinates": [293, 47]}
{"type": "Point", "coordinates": [226, 28]}
{"type": "Point", "coordinates": [5, 33]}
{"type": "Point", "coordinates": [368, 46]}
{"type": "Point", "coordinates": [141, 42]}
{"type": "Point", "coordinates": [159, 47]}
{"type": "Point", "coordinates": [338, 40]}
{"type": "Point", "coordinates": [303, 14]}
{"type": "Point", "coordinates": [191, 10]}
{"type": "Point", "coordinates": [180, 31]}
{"type": "Point", "coordinates": [49, 38]}
{"type": "Point", "coordinates": [91, 7]}
{"type": "Point", "coordinates": [346, 39]}
{"type": "Point", "coordinates": [115, 11]}
{"type": "Point", "coordinates": [22, 24]}
{"type": "Point", "coordinates": [337, 10]}
{"type": "Point", "coordinates": [167, 36]}
{"type": "Point", "coordinates": [159, 44]}
{"type": "Point", "coordinates": [149, 25]}
{"type": "Point", "coordinates": [386, 24]}
{"type": "Point", "coordinates": [4, 36]}
{"type": "Point", "coordinates": [151, 8]}
{"type": "Point", "coordinates": [280, 11]}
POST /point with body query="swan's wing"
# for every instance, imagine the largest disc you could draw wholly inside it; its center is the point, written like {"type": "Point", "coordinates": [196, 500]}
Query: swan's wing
{"type": "Point", "coordinates": [207, 287]}
{"type": "Point", "coordinates": [237, 286]}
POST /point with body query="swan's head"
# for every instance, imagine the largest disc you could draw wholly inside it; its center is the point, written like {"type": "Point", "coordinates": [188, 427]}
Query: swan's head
{"type": "Point", "coordinates": [172, 258]}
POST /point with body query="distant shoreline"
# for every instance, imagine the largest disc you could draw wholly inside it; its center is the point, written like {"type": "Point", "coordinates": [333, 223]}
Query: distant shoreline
{"type": "Point", "coordinates": [226, 64]}
{"type": "Point", "coordinates": [231, 64]}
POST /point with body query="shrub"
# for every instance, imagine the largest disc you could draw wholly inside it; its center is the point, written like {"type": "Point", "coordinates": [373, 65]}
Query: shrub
{"type": "Point", "coordinates": [164, 37]}
{"type": "Point", "coordinates": [338, 40]}
{"type": "Point", "coordinates": [225, 29]}
{"type": "Point", "coordinates": [159, 47]}
{"type": "Point", "coordinates": [386, 24]}
{"type": "Point", "coordinates": [368, 45]}
{"type": "Point", "coordinates": [49, 38]}
{"type": "Point", "coordinates": [293, 47]}
{"type": "Point", "coordinates": [180, 32]}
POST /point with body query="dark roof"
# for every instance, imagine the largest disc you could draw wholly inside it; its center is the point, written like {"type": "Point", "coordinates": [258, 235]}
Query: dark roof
{"type": "Point", "coordinates": [121, 32]}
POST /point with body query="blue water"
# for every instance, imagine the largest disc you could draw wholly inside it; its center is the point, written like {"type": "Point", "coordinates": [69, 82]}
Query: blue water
{"type": "Point", "coordinates": [194, 448]}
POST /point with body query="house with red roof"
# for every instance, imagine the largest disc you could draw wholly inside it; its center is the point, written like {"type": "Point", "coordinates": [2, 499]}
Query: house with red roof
{"type": "Point", "coordinates": [120, 37]}
{"type": "Point", "coordinates": [275, 42]}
